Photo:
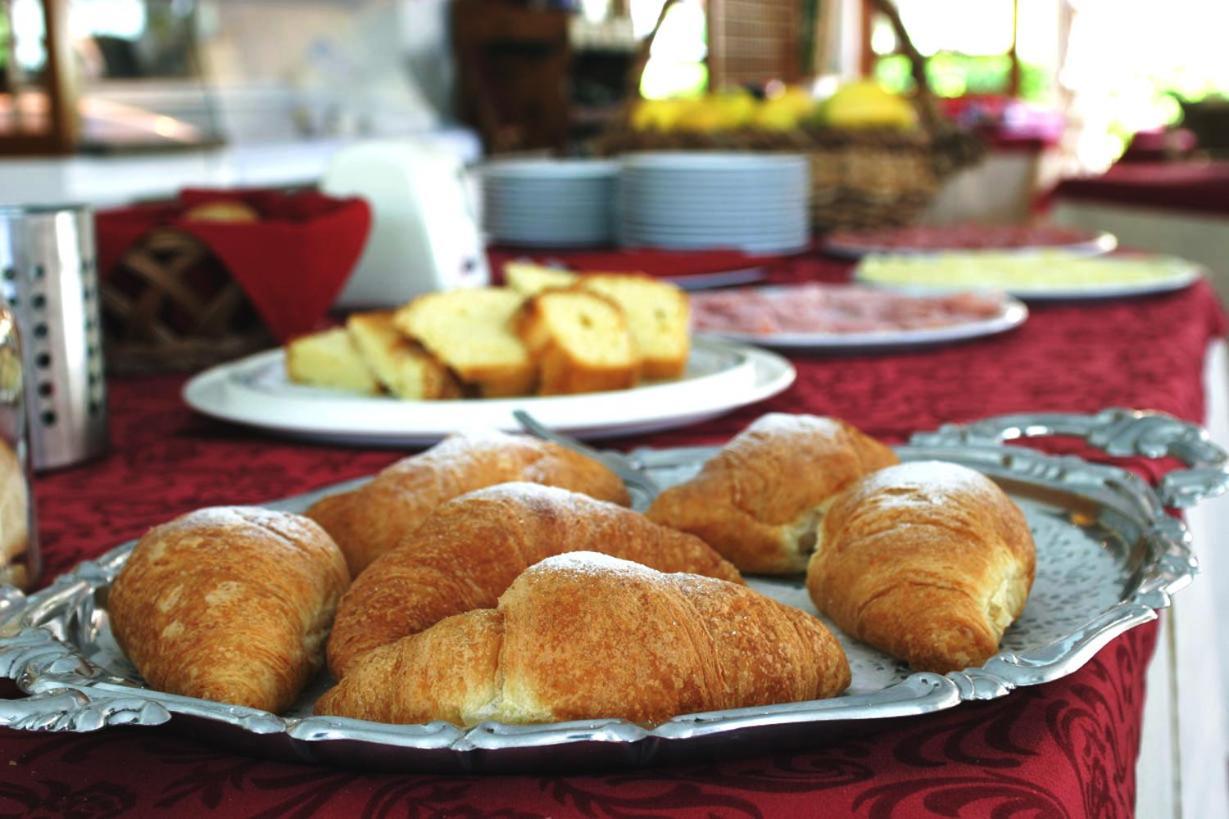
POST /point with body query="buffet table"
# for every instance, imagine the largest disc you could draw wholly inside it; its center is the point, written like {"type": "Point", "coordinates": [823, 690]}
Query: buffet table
{"type": "Point", "coordinates": [1068, 748]}
{"type": "Point", "coordinates": [1172, 207]}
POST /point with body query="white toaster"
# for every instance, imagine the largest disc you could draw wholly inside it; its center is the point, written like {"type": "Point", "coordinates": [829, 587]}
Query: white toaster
{"type": "Point", "coordinates": [425, 234]}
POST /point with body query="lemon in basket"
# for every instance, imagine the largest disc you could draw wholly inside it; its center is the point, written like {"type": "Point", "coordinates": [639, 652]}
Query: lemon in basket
{"type": "Point", "coordinates": [866, 104]}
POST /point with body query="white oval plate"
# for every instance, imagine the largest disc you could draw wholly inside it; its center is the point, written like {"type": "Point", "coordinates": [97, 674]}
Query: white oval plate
{"type": "Point", "coordinates": [1099, 245]}
{"type": "Point", "coordinates": [1014, 314]}
{"type": "Point", "coordinates": [1180, 275]}
{"type": "Point", "coordinates": [254, 391]}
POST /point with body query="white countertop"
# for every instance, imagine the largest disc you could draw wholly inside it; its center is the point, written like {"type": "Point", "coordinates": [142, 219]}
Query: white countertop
{"type": "Point", "coordinates": [118, 179]}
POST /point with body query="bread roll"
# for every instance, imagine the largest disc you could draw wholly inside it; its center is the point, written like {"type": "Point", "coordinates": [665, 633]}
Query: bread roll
{"type": "Point", "coordinates": [229, 604]}
{"type": "Point", "coordinates": [586, 636]}
{"type": "Point", "coordinates": [375, 518]}
{"type": "Point", "coordinates": [580, 342]}
{"type": "Point", "coordinates": [928, 561]}
{"type": "Point", "coordinates": [468, 551]}
{"type": "Point", "coordinates": [759, 499]}
{"type": "Point", "coordinates": [222, 210]}
{"type": "Point", "coordinates": [15, 564]}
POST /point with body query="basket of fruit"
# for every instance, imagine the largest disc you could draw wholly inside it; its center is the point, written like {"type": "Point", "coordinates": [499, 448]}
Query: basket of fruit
{"type": "Point", "coordinates": [877, 158]}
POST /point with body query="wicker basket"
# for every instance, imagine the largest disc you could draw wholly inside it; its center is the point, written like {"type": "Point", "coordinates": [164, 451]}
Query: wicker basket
{"type": "Point", "coordinates": [860, 179]}
{"type": "Point", "coordinates": [170, 306]}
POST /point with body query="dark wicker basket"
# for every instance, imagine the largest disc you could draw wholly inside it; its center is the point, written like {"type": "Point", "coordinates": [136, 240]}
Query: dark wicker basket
{"type": "Point", "coordinates": [170, 306]}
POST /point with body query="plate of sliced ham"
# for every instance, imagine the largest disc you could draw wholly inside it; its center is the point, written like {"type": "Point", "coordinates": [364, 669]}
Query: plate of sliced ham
{"type": "Point", "coordinates": [851, 317]}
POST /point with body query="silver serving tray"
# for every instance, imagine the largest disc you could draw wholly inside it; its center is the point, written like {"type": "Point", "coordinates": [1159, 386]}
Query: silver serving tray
{"type": "Point", "coordinates": [1108, 556]}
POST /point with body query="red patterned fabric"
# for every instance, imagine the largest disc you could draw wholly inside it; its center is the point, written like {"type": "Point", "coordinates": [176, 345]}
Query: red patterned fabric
{"type": "Point", "coordinates": [1196, 187]}
{"type": "Point", "coordinates": [291, 264]}
{"type": "Point", "coordinates": [1066, 749]}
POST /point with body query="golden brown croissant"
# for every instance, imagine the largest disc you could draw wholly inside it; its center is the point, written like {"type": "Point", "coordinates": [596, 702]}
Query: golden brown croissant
{"type": "Point", "coordinates": [583, 636]}
{"type": "Point", "coordinates": [467, 552]}
{"type": "Point", "coordinates": [757, 501]}
{"type": "Point", "coordinates": [928, 561]}
{"type": "Point", "coordinates": [371, 520]}
{"type": "Point", "coordinates": [229, 604]}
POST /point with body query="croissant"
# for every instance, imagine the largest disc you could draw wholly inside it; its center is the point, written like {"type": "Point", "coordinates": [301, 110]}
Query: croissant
{"type": "Point", "coordinates": [373, 519]}
{"type": "Point", "coordinates": [758, 501]}
{"type": "Point", "coordinates": [928, 561]}
{"type": "Point", "coordinates": [586, 636]}
{"type": "Point", "coordinates": [470, 549]}
{"type": "Point", "coordinates": [229, 604]}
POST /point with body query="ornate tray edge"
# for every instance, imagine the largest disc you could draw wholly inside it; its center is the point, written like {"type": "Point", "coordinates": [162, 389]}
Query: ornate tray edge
{"type": "Point", "coordinates": [68, 693]}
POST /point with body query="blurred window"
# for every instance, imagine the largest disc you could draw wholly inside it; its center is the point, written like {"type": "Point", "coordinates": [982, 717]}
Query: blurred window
{"type": "Point", "coordinates": [973, 46]}
{"type": "Point", "coordinates": [676, 66]}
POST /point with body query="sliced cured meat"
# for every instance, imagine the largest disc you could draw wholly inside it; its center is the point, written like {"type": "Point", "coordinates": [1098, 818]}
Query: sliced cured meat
{"type": "Point", "coordinates": [824, 308]}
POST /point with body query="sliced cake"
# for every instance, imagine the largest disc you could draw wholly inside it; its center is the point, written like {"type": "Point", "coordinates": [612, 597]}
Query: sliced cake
{"type": "Point", "coordinates": [530, 279]}
{"type": "Point", "coordinates": [471, 332]}
{"type": "Point", "coordinates": [657, 316]}
{"type": "Point", "coordinates": [580, 341]}
{"type": "Point", "coordinates": [404, 368]}
{"type": "Point", "coordinates": [329, 359]}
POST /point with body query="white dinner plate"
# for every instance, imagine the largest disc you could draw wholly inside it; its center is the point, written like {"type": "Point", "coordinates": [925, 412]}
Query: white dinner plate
{"type": "Point", "coordinates": [721, 278]}
{"type": "Point", "coordinates": [712, 161]}
{"type": "Point", "coordinates": [790, 245]}
{"type": "Point", "coordinates": [254, 392]}
{"type": "Point", "coordinates": [535, 169]}
{"type": "Point", "coordinates": [1099, 245]}
{"type": "Point", "coordinates": [1013, 314]}
{"type": "Point", "coordinates": [748, 228]}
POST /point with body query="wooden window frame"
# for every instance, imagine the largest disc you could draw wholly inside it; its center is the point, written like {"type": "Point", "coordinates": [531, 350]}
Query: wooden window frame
{"type": "Point", "coordinates": [60, 85]}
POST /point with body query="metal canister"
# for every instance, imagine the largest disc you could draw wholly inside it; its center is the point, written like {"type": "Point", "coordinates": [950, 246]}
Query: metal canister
{"type": "Point", "coordinates": [19, 555]}
{"type": "Point", "coordinates": [48, 275]}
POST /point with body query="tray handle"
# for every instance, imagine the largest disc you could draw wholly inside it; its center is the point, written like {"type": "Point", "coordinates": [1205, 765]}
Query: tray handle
{"type": "Point", "coordinates": [1119, 432]}
{"type": "Point", "coordinates": [12, 601]}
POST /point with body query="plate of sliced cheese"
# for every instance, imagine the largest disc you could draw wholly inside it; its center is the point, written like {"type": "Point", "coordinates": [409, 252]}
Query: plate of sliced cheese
{"type": "Point", "coordinates": [601, 355]}
{"type": "Point", "coordinates": [1039, 276]}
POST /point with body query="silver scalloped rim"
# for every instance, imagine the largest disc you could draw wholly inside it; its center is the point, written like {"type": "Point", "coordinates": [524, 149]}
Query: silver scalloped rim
{"type": "Point", "coordinates": [68, 693]}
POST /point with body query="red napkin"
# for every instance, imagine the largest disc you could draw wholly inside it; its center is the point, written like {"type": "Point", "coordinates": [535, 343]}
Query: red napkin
{"type": "Point", "coordinates": [291, 264]}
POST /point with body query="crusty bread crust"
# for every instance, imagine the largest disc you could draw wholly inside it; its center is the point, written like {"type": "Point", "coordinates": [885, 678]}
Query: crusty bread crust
{"type": "Point", "coordinates": [375, 518]}
{"type": "Point", "coordinates": [928, 561]}
{"type": "Point", "coordinates": [586, 636]}
{"type": "Point", "coordinates": [401, 364]}
{"type": "Point", "coordinates": [229, 604]}
{"type": "Point", "coordinates": [758, 500]}
{"type": "Point", "coordinates": [14, 514]}
{"type": "Point", "coordinates": [470, 549]}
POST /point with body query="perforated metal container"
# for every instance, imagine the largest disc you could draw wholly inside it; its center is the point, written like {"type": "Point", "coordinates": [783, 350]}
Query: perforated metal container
{"type": "Point", "coordinates": [48, 274]}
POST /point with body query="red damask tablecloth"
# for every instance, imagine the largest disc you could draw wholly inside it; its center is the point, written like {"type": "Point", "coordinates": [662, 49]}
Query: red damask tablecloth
{"type": "Point", "coordinates": [1066, 749]}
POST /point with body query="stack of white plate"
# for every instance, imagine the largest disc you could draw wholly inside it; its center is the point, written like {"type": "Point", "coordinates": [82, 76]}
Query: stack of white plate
{"type": "Point", "coordinates": [549, 202]}
{"type": "Point", "coordinates": [754, 202]}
